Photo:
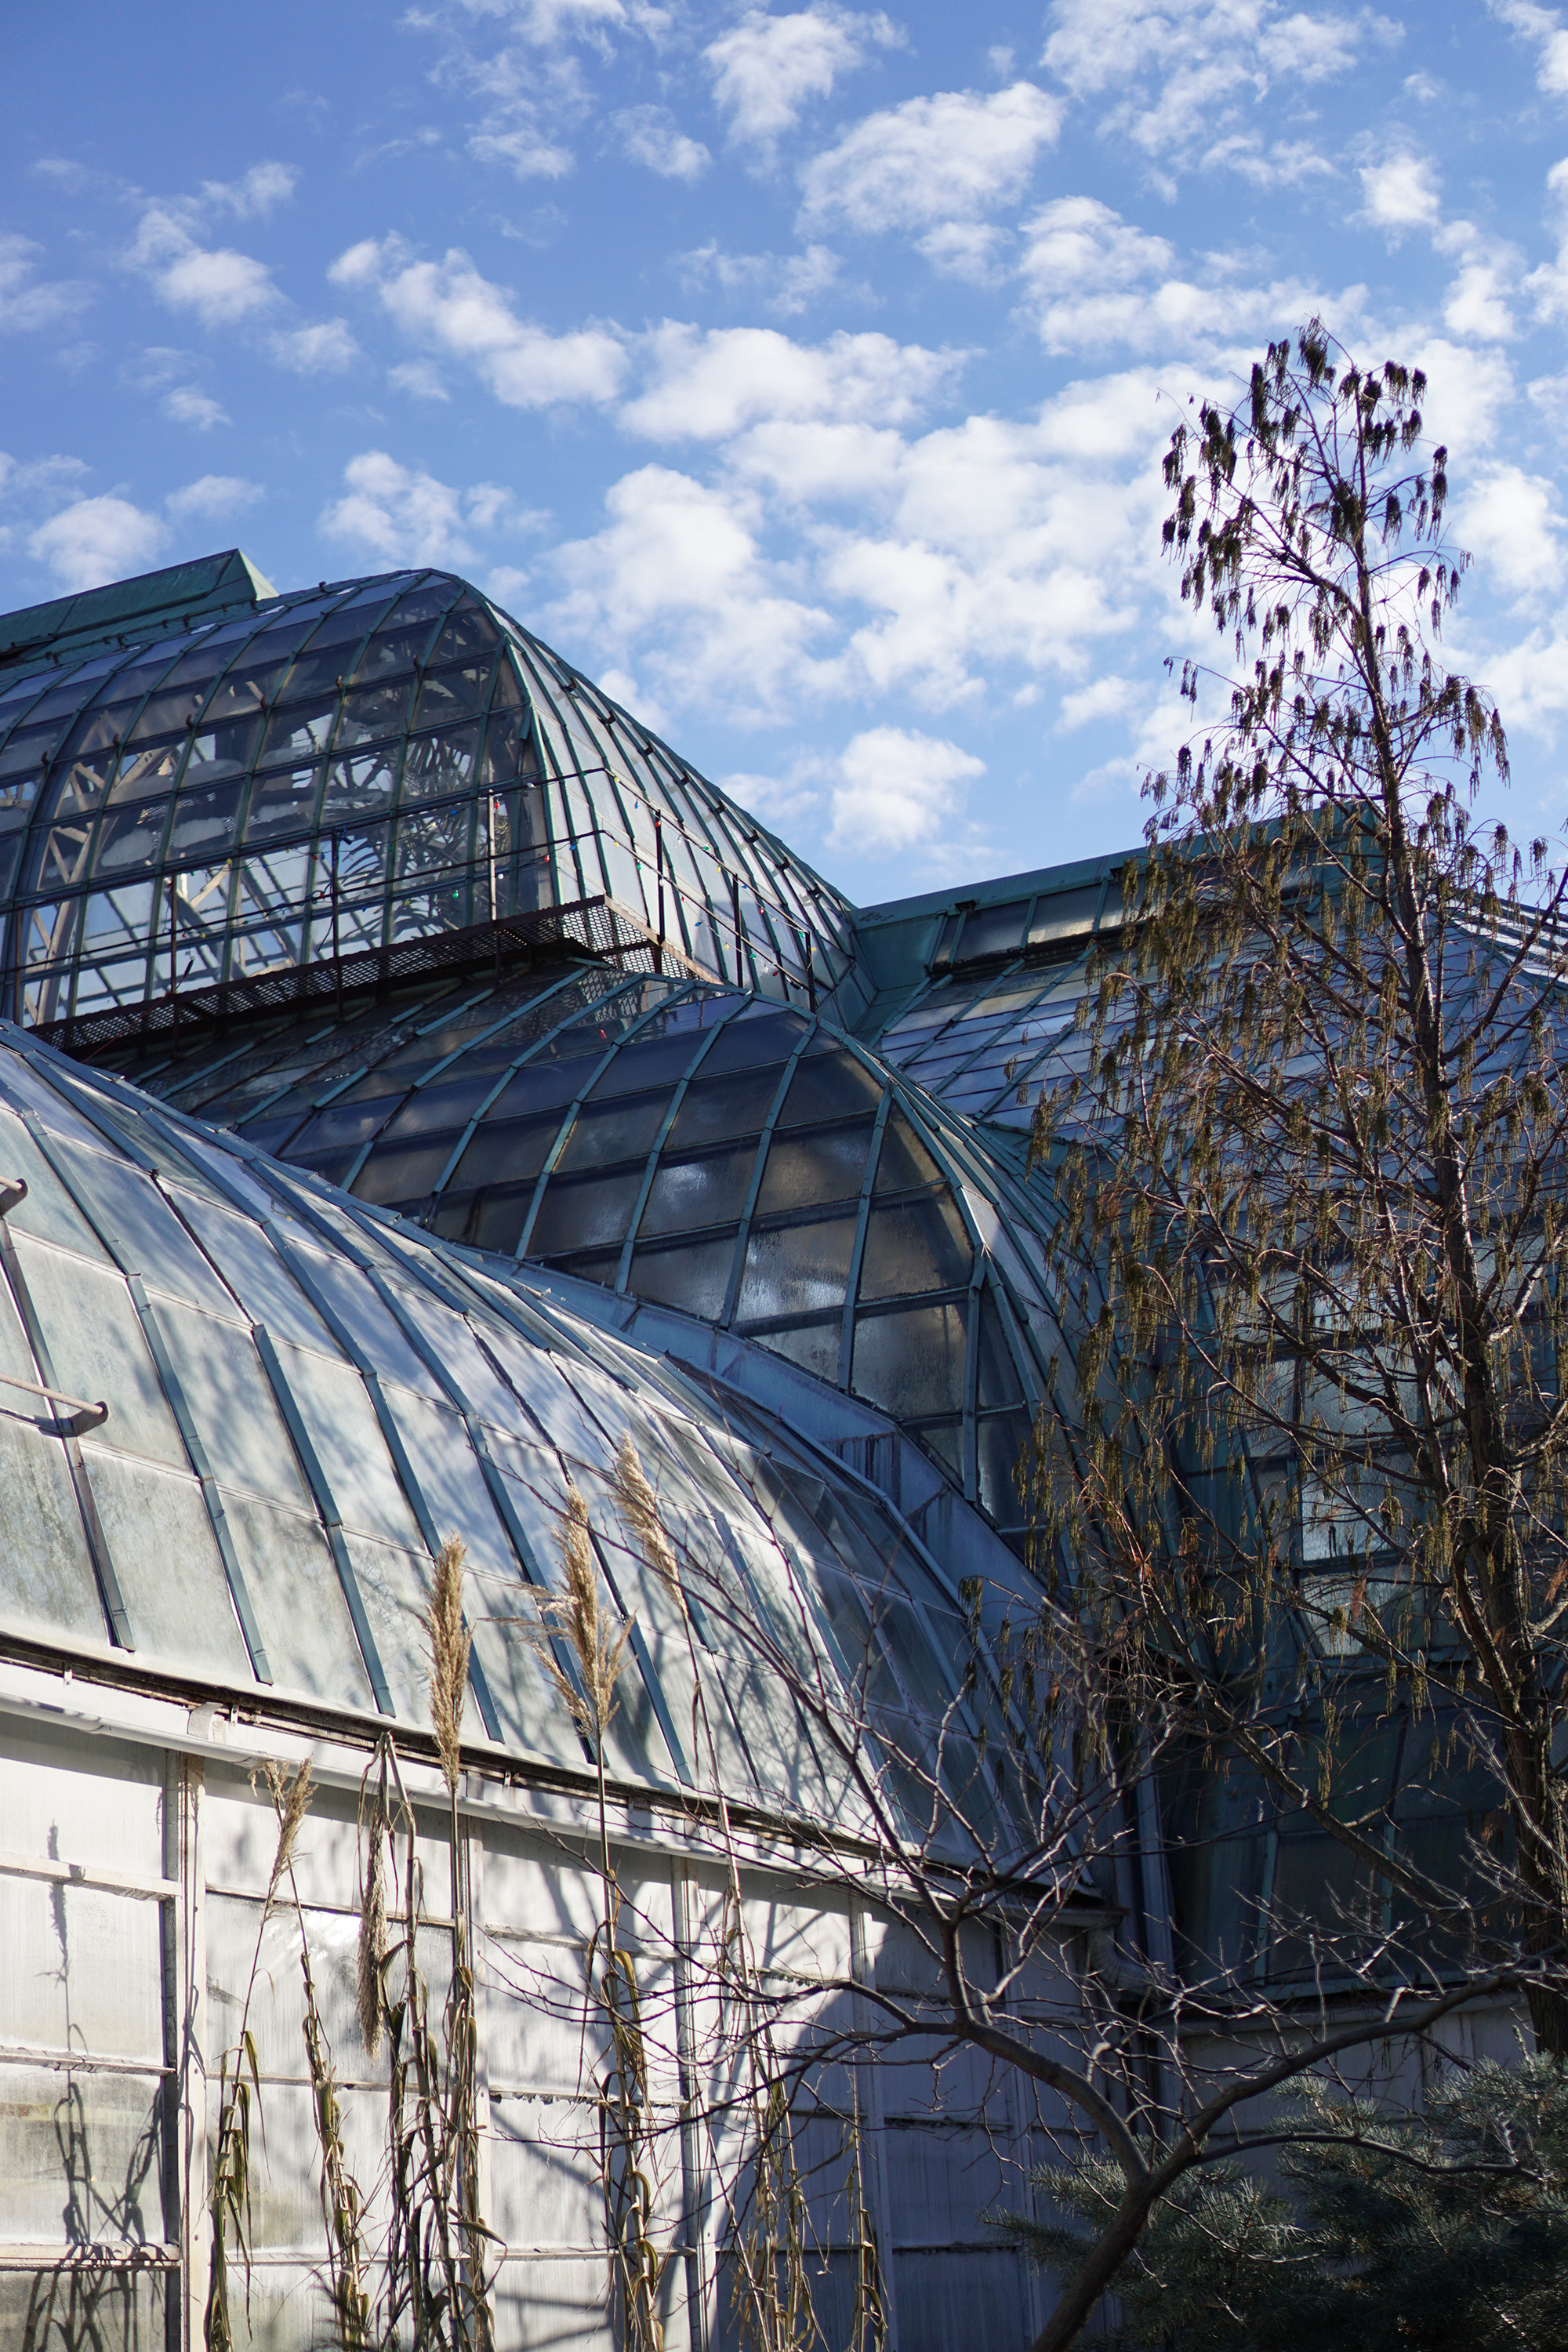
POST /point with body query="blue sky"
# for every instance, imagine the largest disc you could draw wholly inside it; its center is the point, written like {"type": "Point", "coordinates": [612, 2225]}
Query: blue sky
{"type": "Point", "coordinates": [802, 374]}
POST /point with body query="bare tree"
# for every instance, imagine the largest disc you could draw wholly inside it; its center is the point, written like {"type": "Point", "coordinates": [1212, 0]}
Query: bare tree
{"type": "Point", "coordinates": [1309, 1149]}
{"type": "Point", "coordinates": [985, 1830]}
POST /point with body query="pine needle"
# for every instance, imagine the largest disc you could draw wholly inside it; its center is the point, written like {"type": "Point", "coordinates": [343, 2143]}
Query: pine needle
{"type": "Point", "coordinates": [449, 1644]}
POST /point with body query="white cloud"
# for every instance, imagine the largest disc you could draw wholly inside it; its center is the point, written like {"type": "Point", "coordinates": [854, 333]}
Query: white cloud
{"type": "Point", "coordinates": [220, 285]}
{"type": "Point", "coordinates": [1401, 193]}
{"type": "Point", "coordinates": [1181, 73]}
{"type": "Point", "coordinates": [1508, 520]}
{"type": "Point", "coordinates": [677, 570]}
{"type": "Point", "coordinates": [767, 67]}
{"type": "Point", "coordinates": [1107, 697]}
{"type": "Point", "coordinates": [421, 379]}
{"type": "Point", "coordinates": [1094, 280]}
{"type": "Point", "coordinates": [928, 567]}
{"type": "Point", "coordinates": [259, 191]}
{"type": "Point", "coordinates": [1468, 393]}
{"type": "Point", "coordinates": [528, 152]}
{"type": "Point", "coordinates": [1549, 283]}
{"type": "Point", "coordinates": [787, 283]}
{"type": "Point", "coordinates": [399, 514]}
{"type": "Point", "coordinates": [26, 305]}
{"type": "Point", "coordinates": [710, 385]}
{"type": "Point", "coordinates": [96, 541]}
{"type": "Point", "coordinates": [1543, 26]}
{"type": "Point", "coordinates": [933, 164]}
{"type": "Point", "coordinates": [325, 349]}
{"type": "Point", "coordinates": [188, 405]}
{"type": "Point", "coordinates": [1477, 306]}
{"type": "Point", "coordinates": [212, 495]}
{"type": "Point", "coordinates": [650, 135]}
{"type": "Point", "coordinates": [446, 304]}
{"type": "Point", "coordinates": [896, 789]}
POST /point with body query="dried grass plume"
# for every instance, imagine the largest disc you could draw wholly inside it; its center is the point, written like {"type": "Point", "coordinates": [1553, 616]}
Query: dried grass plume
{"type": "Point", "coordinates": [291, 1801]}
{"type": "Point", "coordinates": [449, 1644]}
{"type": "Point", "coordinates": [639, 1503]}
{"type": "Point", "coordinates": [597, 1640]}
{"type": "Point", "coordinates": [371, 1953]}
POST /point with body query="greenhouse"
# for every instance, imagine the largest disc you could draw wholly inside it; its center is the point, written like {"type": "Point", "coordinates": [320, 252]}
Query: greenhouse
{"type": "Point", "coordinates": [421, 1092]}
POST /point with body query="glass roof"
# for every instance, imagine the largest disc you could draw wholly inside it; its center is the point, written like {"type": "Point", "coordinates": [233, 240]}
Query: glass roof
{"type": "Point", "coordinates": [304, 1398]}
{"type": "Point", "coordinates": [344, 770]}
{"type": "Point", "coordinates": [708, 1149]}
{"type": "Point", "coordinates": [987, 1044]}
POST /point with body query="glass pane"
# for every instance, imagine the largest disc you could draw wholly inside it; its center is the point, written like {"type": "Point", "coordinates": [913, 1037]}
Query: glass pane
{"type": "Point", "coordinates": [1068, 911]}
{"type": "Point", "coordinates": [713, 1109]}
{"type": "Point", "coordinates": [99, 1350]}
{"type": "Point", "coordinates": [694, 1277]}
{"type": "Point", "coordinates": [301, 1612]}
{"type": "Point", "coordinates": [918, 1245]}
{"type": "Point", "coordinates": [805, 1171]}
{"type": "Point", "coordinates": [166, 1558]}
{"type": "Point", "coordinates": [584, 1213]}
{"type": "Point", "coordinates": [813, 1346]}
{"type": "Point", "coordinates": [911, 1363]}
{"type": "Point", "coordinates": [505, 1149]}
{"type": "Point", "coordinates": [994, 931]}
{"type": "Point", "coordinates": [621, 1128]}
{"type": "Point", "coordinates": [687, 1194]}
{"type": "Point", "coordinates": [829, 1085]}
{"type": "Point", "coordinates": [796, 1269]}
{"type": "Point", "coordinates": [904, 1161]}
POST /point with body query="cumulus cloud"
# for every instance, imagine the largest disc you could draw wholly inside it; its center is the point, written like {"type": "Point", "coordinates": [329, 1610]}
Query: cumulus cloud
{"type": "Point", "coordinates": [1094, 280]}
{"type": "Point", "coordinates": [1544, 28]}
{"type": "Point", "coordinates": [1509, 520]}
{"type": "Point", "coordinates": [766, 69]}
{"type": "Point", "coordinates": [787, 283]}
{"type": "Point", "coordinates": [650, 135]}
{"type": "Point", "coordinates": [1401, 193]}
{"type": "Point", "coordinates": [218, 283]}
{"type": "Point", "coordinates": [709, 385]}
{"type": "Point", "coordinates": [325, 349]}
{"type": "Point", "coordinates": [934, 166]}
{"type": "Point", "coordinates": [1478, 301]}
{"type": "Point", "coordinates": [95, 540]}
{"type": "Point", "coordinates": [678, 571]}
{"type": "Point", "coordinates": [926, 566]}
{"type": "Point", "coordinates": [896, 789]}
{"type": "Point", "coordinates": [187, 405]}
{"type": "Point", "coordinates": [256, 193]}
{"type": "Point", "coordinates": [399, 514]}
{"type": "Point", "coordinates": [28, 303]}
{"type": "Point", "coordinates": [1179, 75]}
{"type": "Point", "coordinates": [212, 496]}
{"type": "Point", "coordinates": [449, 307]}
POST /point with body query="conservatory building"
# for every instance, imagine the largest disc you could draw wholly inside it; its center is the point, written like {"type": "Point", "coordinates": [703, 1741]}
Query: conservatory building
{"type": "Point", "coordinates": [419, 1090]}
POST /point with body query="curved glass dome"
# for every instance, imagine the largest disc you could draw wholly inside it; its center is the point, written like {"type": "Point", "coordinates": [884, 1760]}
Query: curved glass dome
{"type": "Point", "coordinates": [238, 1415]}
{"type": "Point", "coordinates": [705, 1149]}
{"type": "Point", "coordinates": [343, 771]}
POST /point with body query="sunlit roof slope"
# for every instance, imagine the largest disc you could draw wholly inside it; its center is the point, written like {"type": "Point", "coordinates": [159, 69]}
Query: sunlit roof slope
{"type": "Point", "coordinates": [189, 802]}
{"type": "Point", "coordinates": [238, 1415]}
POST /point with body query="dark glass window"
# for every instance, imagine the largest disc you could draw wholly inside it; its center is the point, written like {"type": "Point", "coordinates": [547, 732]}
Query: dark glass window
{"type": "Point", "coordinates": [916, 1246]}
{"type": "Point", "coordinates": [688, 1193]}
{"type": "Point", "coordinates": [796, 1269]}
{"type": "Point", "coordinates": [912, 1362]}
{"type": "Point", "coordinates": [807, 1171]}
